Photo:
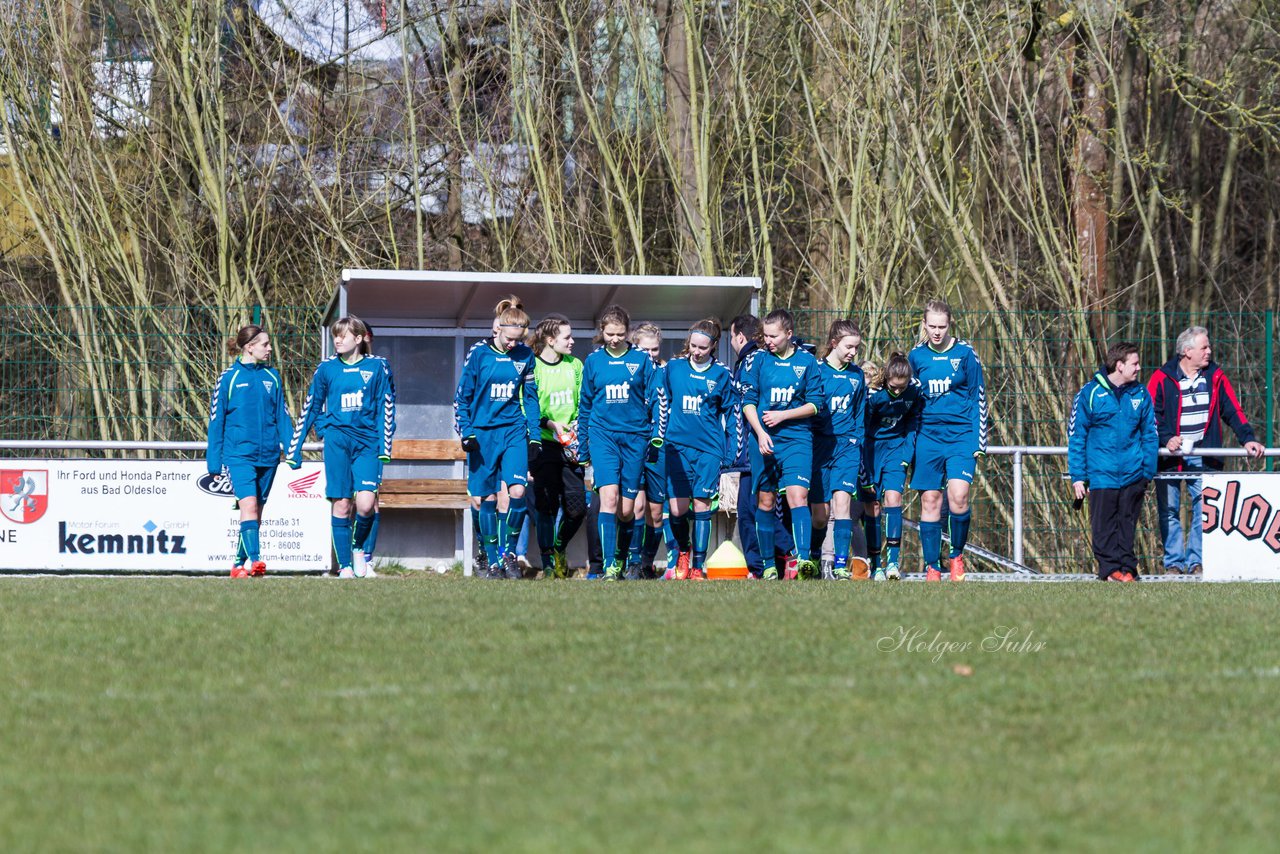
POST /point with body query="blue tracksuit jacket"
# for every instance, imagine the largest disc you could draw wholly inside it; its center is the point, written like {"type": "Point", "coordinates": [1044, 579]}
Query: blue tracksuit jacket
{"type": "Point", "coordinates": [497, 390]}
{"type": "Point", "coordinates": [845, 390]}
{"type": "Point", "coordinates": [702, 408]}
{"type": "Point", "coordinates": [1111, 439]}
{"type": "Point", "coordinates": [770, 383]}
{"type": "Point", "coordinates": [619, 394]}
{"type": "Point", "coordinates": [249, 423]}
{"type": "Point", "coordinates": [357, 399]}
{"type": "Point", "coordinates": [955, 397]}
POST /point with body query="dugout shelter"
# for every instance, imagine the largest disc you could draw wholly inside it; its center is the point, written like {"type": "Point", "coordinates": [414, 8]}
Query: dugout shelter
{"type": "Point", "coordinates": [425, 321]}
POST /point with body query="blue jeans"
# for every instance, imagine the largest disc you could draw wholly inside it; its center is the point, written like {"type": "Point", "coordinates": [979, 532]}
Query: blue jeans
{"type": "Point", "coordinates": [1169, 506]}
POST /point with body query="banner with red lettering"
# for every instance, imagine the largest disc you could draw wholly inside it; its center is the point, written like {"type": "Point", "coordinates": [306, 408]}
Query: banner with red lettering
{"type": "Point", "coordinates": [1241, 526]}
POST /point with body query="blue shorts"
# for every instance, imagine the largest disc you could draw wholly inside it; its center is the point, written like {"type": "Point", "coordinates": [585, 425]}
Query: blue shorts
{"type": "Point", "coordinates": [888, 463]}
{"type": "Point", "coordinates": [503, 457]}
{"type": "Point", "coordinates": [349, 466]}
{"type": "Point", "coordinates": [692, 473]}
{"type": "Point", "coordinates": [836, 464]}
{"type": "Point", "coordinates": [617, 459]}
{"type": "Point", "coordinates": [943, 458]}
{"type": "Point", "coordinates": [655, 477]}
{"type": "Point", "coordinates": [790, 464]}
{"type": "Point", "coordinates": [250, 481]}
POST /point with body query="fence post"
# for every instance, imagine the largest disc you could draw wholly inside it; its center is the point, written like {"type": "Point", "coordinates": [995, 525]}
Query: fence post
{"type": "Point", "coordinates": [257, 315]}
{"type": "Point", "coordinates": [1271, 373]}
{"type": "Point", "coordinates": [1017, 507]}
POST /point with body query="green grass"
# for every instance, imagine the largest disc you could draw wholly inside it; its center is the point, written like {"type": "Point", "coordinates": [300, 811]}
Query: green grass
{"type": "Point", "coordinates": [436, 713]}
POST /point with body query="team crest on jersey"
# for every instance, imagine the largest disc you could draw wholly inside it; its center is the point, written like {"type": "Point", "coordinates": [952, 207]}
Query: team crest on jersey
{"type": "Point", "coordinates": [632, 368]}
{"type": "Point", "coordinates": [519, 366]}
{"type": "Point", "coordinates": [799, 369]}
{"type": "Point", "coordinates": [267, 384]}
{"type": "Point", "coordinates": [366, 375]}
{"type": "Point", "coordinates": [1135, 403]}
{"type": "Point", "coordinates": [711, 385]}
{"type": "Point", "coordinates": [955, 364]}
{"type": "Point", "coordinates": [24, 494]}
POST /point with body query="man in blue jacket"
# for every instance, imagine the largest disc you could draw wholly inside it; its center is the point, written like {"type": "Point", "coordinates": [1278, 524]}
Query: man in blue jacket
{"type": "Point", "coordinates": [744, 336]}
{"type": "Point", "coordinates": [1111, 457]}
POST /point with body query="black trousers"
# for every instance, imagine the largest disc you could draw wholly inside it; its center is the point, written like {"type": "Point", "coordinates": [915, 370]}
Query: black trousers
{"type": "Point", "coordinates": [558, 486]}
{"type": "Point", "coordinates": [1114, 519]}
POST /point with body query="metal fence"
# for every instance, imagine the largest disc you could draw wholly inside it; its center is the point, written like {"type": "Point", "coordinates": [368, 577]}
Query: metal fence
{"type": "Point", "coordinates": [144, 374]}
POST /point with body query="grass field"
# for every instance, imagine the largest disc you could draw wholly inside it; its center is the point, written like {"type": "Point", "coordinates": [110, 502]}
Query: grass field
{"type": "Point", "coordinates": [437, 713]}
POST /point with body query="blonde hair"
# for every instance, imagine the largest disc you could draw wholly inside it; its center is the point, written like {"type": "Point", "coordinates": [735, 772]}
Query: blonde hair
{"type": "Point", "coordinates": [840, 329]}
{"type": "Point", "coordinates": [510, 312]}
{"type": "Point", "coordinates": [875, 376]}
{"type": "Point", "coordinates": [646, 330]}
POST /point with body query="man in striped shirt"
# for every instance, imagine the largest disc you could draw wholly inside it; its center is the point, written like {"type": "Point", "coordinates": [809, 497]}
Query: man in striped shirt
{"type": "Point", "coordinates": [1192, 397]}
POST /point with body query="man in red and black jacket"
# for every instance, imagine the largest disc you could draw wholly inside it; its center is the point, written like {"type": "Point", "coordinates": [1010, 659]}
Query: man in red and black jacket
{"type": "Point", "coordinates": [1192, 398]}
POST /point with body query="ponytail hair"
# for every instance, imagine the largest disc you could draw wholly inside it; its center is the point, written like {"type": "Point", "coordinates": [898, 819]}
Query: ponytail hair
{"type": "Point", "coordinates": [709, 327]}
{"type": "Point", "coordinates": [898, 368]}
{"type": "Point", "coordinates": [547, 330]}
{"type": "Point", "coordinates": [933, 306]}
{"type": "Point", "coordinates": [248, 332]}
{"type": "Point", "coordinates": [510, 312]}
{"type": "Point", "coordinates": [612, 314]}
{"type": "Point", "coordinates": [839, 329]}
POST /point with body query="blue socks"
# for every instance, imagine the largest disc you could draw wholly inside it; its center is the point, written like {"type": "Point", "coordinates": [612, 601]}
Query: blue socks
{"type": "Point", "coordinates": [489, 529]}
{"type": "Point", "coordinates": [764, 534]}
{"type": "Point", "coordinates": [959, 531]}
{"type": "Point", "coordinates": [609, 540]}
{"type": "Point", "coordinates": [249, 542]}
{"type": "Point", "coordinates": [893, 533]}
{"type": "Point", "coordinates": [801, 530]}
{"type": "Point", "coordinates": [515, 522]}
{"type": "Point", "coordinates": [372, 540]}
{"type": "Point", "coordinates": [841, 540]}
{"type": "Point", "coordinates": [931, 543]}
{"type": "Point", "coordinates": [360, 536]}
{"type": "Point", "coordinates": [341, 529]}
{"type": "Point", "coordinates": [701, 537]}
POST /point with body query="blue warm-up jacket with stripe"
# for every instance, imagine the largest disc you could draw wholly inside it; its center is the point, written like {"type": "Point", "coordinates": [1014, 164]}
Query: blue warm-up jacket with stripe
{"type": "Point", "coordinates": [1111, 439]}
{"type": "Point", "coordinates": [248, 420]}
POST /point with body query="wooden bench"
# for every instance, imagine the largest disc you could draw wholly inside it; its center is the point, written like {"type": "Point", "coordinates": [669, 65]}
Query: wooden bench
{"type": "Point", "coordinates": [440, 493]}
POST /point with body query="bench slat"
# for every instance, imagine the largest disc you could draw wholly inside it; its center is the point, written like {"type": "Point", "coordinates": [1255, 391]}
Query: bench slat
{"type": "Point", "coordinates": [426, 449]}
{"type": "Point", "coordinates": [424, 485]}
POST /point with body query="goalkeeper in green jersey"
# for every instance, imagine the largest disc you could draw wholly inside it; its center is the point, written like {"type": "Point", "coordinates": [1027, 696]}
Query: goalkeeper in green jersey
{"type": "Point", "coordinates": [559, 493]}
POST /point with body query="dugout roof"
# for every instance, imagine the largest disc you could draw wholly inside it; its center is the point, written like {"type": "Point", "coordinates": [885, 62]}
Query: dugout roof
{"type": "Point", "coordinates": [465, 301]}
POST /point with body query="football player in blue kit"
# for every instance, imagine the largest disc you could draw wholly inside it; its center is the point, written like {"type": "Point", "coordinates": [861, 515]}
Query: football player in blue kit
{"type": "Point", "coordinates": [781, 391]}
{"type": "Point", "coordinates": [702, 436]}
{"type": "Point", "coordinates": [497, 415]}
{"type": "Point", "coordinates": [646, 530]}
{"type": "Point", "coordinates": [837, 450]}
{"type": "Point", "coordinates": [893, 418]}
{"type": "Point", "coordinates": [352, 404]}
{"type": "Point", "coordinates": [620, 427]}
{"type": "Point", "coordinates": [248, 427]}
{"type": "Point", "coordinates": [952, 435]}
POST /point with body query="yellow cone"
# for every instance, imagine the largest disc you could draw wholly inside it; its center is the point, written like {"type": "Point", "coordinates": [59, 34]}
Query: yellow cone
{"type": "Point", "coordinates": [727, 562]}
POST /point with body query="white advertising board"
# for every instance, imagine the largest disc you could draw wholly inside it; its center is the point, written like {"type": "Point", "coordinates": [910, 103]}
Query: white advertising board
{"type": "Point", "coordinates": [157, 515]}
{"type": "Point", "coordinates": [1241, 526]}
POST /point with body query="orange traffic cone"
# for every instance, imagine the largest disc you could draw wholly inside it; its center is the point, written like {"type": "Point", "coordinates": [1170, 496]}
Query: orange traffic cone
{"type": "Point", "coordinates": [727, 562]}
